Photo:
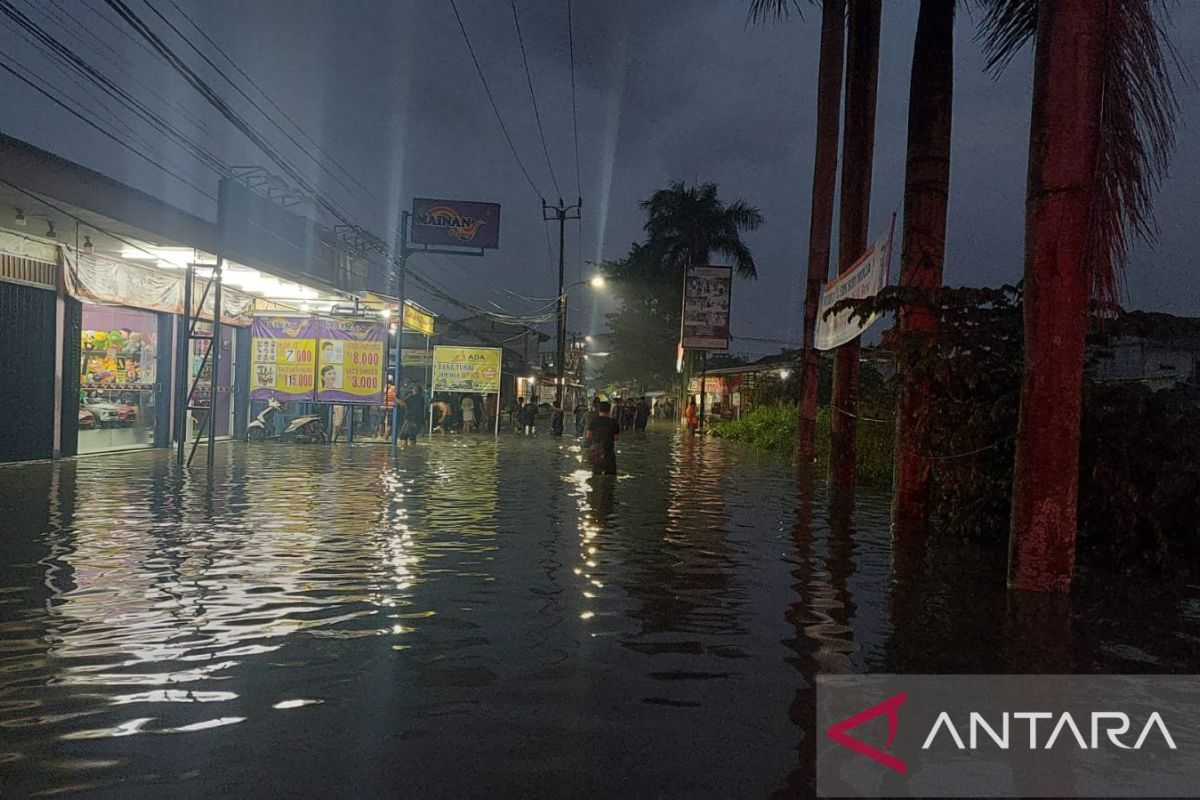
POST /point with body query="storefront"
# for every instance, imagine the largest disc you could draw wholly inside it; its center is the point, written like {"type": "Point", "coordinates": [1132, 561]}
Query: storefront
{"type": "Point", "coordinates": [123, 376]}
{"type": "Point", "coordinates": [127, 330]}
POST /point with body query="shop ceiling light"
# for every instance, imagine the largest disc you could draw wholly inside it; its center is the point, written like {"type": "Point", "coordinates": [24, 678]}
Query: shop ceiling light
{"type": "Point", "coordinates": [50, 232]}
{"type": "Point", "coordinates": [19, 220]}
{"type": "Point", "coordinates": [88, 247]}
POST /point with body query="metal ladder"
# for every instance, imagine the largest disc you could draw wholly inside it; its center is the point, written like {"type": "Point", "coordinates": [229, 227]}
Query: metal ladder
{"type": "Point", "coordinates": [185, 382]}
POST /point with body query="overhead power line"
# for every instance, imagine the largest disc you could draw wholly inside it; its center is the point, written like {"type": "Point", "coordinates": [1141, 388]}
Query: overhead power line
{"type": "Point", "coordinates": [492, 100]}
{"type": "Point", "coordinates": [321, 159]}
{"type": "Point", "coordinates": [90, 123]}
{"type": "Point", "coordinates": [574, 108]}
{"type": "Point", "coordinates": [537, 116]}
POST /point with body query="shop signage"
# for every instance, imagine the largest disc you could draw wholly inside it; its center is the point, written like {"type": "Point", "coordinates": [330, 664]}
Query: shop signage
{"type": "Point", "coordinates": [706, 308]}
{"type": "Point", "coordinates": [713, 384]}
{"type": "Point", "coordinates": [455, 223]}
{"type": "Point", "coordinates": [417, 320]}
{"type": "Point", "coordinates": [350, 358]}
{"type": "Point", "coordinates": [865, 279]}
{"type": "Point", "coordinates": [283, 358]}
{"type": "Point", "coordinates": [466, 369]}
{"type": "Point", "coordinates": [416, 358]}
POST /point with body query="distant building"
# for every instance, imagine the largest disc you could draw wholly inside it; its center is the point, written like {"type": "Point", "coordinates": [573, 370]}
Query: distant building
{"type": "Point", "coordinates": [1162, 352]}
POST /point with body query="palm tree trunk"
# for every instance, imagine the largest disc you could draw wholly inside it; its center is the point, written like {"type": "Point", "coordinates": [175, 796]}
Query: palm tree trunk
{"type": "Point", "coordinates": [820, 228]}
{"type": "Point", "coordinates": [922, 253]}
{"type": "Point", "coordinates": [1063, 145]}
{"type": "Point", "coordinates": [858, 153]}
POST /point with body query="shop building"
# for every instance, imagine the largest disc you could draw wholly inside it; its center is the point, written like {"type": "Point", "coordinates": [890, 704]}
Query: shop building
{"type": "Point", "coordinates": [92, 292]}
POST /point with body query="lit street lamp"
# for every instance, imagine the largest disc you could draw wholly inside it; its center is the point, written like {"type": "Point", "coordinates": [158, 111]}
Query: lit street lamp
{"type": "Point", "coordinates": [560, 356]}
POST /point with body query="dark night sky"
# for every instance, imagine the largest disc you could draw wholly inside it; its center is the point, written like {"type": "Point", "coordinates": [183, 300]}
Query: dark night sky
{"type": "Point", "coordinates": [666, 90]}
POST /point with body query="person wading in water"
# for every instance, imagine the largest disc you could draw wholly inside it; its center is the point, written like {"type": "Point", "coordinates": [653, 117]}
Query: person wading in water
{"type": "Point", "coordinates": [602, 434]}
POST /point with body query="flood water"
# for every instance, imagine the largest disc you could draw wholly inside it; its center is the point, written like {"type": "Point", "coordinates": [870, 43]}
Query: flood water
{"type": "Point", "coordinates": [483, 618]}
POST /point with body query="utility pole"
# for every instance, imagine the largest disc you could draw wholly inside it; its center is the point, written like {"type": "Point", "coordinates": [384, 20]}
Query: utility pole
{"type": "Point", "coordinates": [401, 264]}
{"type": "Point", "coordinates": [562, 213]}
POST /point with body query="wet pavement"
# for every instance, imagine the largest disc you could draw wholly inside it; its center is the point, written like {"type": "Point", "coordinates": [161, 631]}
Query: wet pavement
{"type": "Point", "coordinates": [483, 618]}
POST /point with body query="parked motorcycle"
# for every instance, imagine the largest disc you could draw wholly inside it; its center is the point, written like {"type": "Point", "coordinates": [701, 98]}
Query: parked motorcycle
{"type": "Point", "coordinates": [306, 429]}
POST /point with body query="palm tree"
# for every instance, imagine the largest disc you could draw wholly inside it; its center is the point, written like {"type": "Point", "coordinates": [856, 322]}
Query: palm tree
{"type": "Point", "coordinates": [1100, 134]}
{"type": "Point", "coordinates": [858, 152]}
{"type": "Point", "coordinates": [923, 250]}
{"type": "Point", "coordinates": [686, 224]}
{"type": "Point", "coordinates": [824, 187]}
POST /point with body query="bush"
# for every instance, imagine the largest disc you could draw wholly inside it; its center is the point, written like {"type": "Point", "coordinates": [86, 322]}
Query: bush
{"type": "Point", "coordinates": [773, 428]}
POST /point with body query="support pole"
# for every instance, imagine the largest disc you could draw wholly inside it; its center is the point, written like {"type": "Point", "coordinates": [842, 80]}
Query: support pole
{"type": "Point", "coordinates": [703, 390]}
{"type": "Point", "coordinates": [215, 345]}
{"type": "Point", "coordinates": [561, 213]}
{"type": "Point", "coordinates": [183, 377]}
{"type": "Point", "coordinates": [401, 271]}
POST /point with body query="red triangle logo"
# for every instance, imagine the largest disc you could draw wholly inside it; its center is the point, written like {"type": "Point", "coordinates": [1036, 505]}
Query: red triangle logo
{"type": "Point", "coordinates": [837, 732]}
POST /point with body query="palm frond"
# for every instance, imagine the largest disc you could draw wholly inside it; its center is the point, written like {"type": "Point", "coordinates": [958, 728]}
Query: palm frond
{"type": "Point", "coordinates": [1006, 27]}
{"type": "Point", "coordinates": [1137, 136]}
{"type": "Point", "coordinates": [771, 10]}
{"type": "Point", "coordinates": [743, 216]}
{"type": "Point", "coordinates": [736, 249]}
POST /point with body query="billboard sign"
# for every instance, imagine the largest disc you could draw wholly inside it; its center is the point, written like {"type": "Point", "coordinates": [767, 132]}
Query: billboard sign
{"type": "Point", "coordinates": [350, 358]}
{"type": "Point", "coordinates": [283, 358]}
{"type": "Point", "coordinates": [706, 292]}
{"type": "Point", "coordinates": [466, 369]}
{"type": "Point", "coordinates": [866, 278]}
{"type": "Point", "coordinates": [455, 223]}
{"type": "Point", "coordinates": [417, 320]}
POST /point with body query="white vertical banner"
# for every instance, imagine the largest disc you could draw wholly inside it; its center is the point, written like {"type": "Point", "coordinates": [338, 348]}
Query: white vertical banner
{"type": "Point", "coordinates": [866, 278]}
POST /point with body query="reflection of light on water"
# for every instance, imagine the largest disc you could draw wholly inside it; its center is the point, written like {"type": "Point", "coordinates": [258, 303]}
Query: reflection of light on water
{"type": "Point", "coordinates": [297, 703]}
{"type": "Point", "coordinates": [172, 696]}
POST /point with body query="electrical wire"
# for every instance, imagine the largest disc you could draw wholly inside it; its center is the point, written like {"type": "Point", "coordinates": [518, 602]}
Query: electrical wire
{"type": "Point", "coordinates": [537, 116]}
{"type": "Point", "coordinates": [92, 124]}
{"type": "Point", "coordinates": [319, 160]}
{"type": "Point", "coordinates": [492, 100]}
{"type": "Point", "coordinates": [574, 108]}
{"type": "Point", "coordinates": [56, 49]}
{"type": "Point", "coordinates": [270, 101]}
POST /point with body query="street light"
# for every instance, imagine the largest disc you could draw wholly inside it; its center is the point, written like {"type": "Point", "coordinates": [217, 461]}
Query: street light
{"type": "Point", "coordinates": [596, 282]}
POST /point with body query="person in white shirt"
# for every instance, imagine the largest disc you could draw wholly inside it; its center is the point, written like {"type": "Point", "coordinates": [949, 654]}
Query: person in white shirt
{"type": "Point", "coordinates": [468, 414]}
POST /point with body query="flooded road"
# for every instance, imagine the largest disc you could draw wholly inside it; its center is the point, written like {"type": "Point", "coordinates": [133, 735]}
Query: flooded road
{"type": "Point", "coordinates": [482, 618]}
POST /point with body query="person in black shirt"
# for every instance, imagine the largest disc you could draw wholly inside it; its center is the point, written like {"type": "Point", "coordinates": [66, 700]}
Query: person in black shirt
{"type": "Point", "coordinates": [581, 411]}
{"type": "Point", "coordinates": [556, 420]}
{"type": "Point", "coordinates": [414, 415]}
{"type": "Point", "coordinates": [602, 434]}
{"type": "Point", "coordinates": [641, 415]}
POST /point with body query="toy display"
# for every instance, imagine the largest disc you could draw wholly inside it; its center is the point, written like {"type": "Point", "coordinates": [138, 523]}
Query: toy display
{"type": "Point", "coordinates": [117, 359]}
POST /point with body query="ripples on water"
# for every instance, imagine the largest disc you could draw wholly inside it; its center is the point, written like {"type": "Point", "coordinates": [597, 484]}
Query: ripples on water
{"type": "Point", "coordinates": [479, 619]}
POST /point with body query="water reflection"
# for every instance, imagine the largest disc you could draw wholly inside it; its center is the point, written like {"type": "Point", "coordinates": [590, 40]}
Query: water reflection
{"type": "Point", "coordinates": [323, 618]}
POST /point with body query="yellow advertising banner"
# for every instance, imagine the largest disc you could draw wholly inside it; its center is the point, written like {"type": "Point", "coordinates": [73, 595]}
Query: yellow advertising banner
{"type": "Point", "coordinates": [283, 351]}
{"type": "Point", "coordinates": [466, 369]}
{"type": "Point", "coordinates": [417, 320]}
{"type": "Point", "coordinates": [350, 361]}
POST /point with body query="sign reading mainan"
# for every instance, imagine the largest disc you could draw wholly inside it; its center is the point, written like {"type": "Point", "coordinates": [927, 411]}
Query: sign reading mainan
{"type": "Point", "coordinates": [706, 293]}
{"type": "Point", "coordinates": [455, 223]}
{"type": "Point", "coordinates": [865, 279]}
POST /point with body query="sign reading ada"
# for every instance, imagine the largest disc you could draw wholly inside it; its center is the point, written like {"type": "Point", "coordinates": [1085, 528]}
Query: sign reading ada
{"type": "Point", "coordinates": [455, 223]}
{"type": "Point", "coordinates": [865, 279]}
{"type": "Point", "coordinates": [466, 369]}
